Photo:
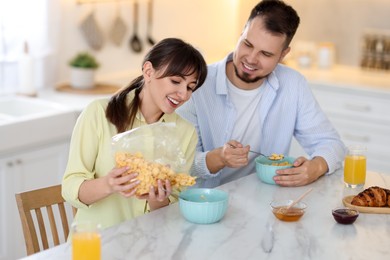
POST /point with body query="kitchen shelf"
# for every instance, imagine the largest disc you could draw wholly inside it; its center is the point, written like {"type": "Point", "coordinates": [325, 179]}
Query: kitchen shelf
{"type": "Point", "coordinates": [80, 2]}
{"type": "Point", "coordinates": [100, 88]}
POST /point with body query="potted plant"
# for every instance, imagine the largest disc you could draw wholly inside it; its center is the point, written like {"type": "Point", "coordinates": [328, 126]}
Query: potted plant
{"type": "Point", "coordinates": [83, 67]}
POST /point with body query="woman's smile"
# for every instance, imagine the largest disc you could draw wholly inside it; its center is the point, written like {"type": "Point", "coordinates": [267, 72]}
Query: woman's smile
{"type": "Point", "coordinates": [174, 103]}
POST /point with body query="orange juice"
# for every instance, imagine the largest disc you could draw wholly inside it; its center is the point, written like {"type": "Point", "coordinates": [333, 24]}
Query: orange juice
{"type": "Point", "coordinates": [354, 170]}
{"type": "Point", "coordinates": [86, 245]}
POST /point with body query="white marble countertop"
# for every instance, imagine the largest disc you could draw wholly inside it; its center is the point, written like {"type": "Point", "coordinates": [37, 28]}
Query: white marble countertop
{"type": "Point", "coordinates": [250, 231]}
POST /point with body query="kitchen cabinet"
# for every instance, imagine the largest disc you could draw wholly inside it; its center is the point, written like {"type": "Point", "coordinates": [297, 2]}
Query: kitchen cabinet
{"type": "Point", "coordinates": [361, 116]}
{"type": "Point", "coordinates": [21, 171]}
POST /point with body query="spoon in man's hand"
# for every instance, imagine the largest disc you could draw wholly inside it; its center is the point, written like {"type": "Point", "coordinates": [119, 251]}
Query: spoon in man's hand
{"type": "Point", "coordinates": [258, 153]}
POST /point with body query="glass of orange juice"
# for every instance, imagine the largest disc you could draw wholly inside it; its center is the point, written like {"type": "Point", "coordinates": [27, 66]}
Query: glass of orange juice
{"type": "Point", "coordinates": [86, 241]}
{"type": "Point", "coordinates": [355, 166]}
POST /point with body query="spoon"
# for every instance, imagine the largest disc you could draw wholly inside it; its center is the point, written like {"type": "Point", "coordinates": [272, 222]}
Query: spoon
{"type": "Point", "coordinates": [203, 197]}
{"type": "Point", "coordinates": [175, 194]}
{"type": "Point", "coordinates": [135, 42]}
{"type": "Point", "coordinates": [258, 153]}
{"type": "Point", "coordinates": [272, 157]}
{"type": "Point", "coordinates": [178, 195]}
{"type": "Point", "coordinates": [149, 26]}
{"type": "Point", "coordinates": [298, 199]}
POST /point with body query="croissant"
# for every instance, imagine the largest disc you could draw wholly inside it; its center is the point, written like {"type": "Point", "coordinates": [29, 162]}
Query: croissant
{"type": "Point", "coordinates": [372, 197]}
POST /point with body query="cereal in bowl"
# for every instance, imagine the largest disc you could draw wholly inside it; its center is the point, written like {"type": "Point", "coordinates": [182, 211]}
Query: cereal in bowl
{"type": "Point", "coordinates": [276, 157]}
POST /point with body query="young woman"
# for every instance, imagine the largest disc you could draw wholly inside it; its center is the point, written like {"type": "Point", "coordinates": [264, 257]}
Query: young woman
{"type": "Point", "coordinates": [172, 70]}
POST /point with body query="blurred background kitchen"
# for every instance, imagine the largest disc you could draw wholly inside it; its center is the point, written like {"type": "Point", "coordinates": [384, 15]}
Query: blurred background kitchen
{"type": "Point", "coordinates": [52, 29]}
{"type": "Point", "coordinates": [342, 47]}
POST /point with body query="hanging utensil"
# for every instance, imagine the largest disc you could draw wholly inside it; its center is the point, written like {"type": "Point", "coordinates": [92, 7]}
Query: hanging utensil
{"type": "Point", "coordinates": [91, 31]}
{"type": "Point", "coordinates": [150, 20]}
{"type": "Point", "coordinates": [135, 42]}
{"type": "Point", "coordinates": [118, 27]}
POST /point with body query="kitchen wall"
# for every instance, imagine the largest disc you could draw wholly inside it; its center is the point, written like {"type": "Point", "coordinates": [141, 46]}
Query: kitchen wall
{"type": "Point", "coordinates": [211, 26]}
{"type": "Point", "coordinates": [341, 22]}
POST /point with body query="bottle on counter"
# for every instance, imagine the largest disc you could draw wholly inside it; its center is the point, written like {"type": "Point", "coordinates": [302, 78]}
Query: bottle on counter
{"type": "Point", "coordinates": [305, 53]}
{"type": "Point", "coordinates": [26, 73]}
{"type": "Point", "coordinates": [326, 55]}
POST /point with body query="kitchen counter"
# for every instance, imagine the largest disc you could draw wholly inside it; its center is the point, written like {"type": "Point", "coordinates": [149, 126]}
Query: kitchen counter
{"type": "Point", "coordinates": [346, 76]}
{"type": "Point", "coordinates": [249, 230]}
{"type": "Point", "coordinates": [74, 101]}
{"type": "Point", "coordinates": [337, 75]}
{"type": "Point", "coordinates": [79, 101]}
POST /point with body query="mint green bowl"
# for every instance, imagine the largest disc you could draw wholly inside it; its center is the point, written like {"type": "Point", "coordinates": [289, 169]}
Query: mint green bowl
{"type": "Point", "coordinates": [265, 171]}
{"type": "Point", "coordinates": [203, 206]}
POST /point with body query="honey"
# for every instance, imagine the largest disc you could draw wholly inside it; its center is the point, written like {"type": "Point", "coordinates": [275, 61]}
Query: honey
{"type": "Point", "coordinates": [293, 214]}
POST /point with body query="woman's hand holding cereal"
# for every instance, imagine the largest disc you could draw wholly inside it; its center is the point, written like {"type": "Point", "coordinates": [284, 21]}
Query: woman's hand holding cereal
{"type": "Point", "coordinates": [158, 198]}
{"type": "Point", "coordinates": [160, 194]}
{"type": "Point", "coordinates": [121, 183]}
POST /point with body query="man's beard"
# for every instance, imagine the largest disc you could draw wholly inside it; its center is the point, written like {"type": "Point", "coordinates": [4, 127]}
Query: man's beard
{"type": "Point", "coordinates": [245, 77]}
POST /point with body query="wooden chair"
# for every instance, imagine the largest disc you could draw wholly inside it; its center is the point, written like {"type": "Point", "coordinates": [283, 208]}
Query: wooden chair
{"type": "Point", "coordinates": [34, 201]}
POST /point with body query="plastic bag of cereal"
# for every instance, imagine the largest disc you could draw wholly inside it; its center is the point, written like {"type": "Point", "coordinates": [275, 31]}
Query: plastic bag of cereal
{"type": "Point", "coordinates": [154, 152]}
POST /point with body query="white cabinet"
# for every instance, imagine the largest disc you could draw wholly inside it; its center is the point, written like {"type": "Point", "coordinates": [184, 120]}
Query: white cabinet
{"type": "Point", "coordinates": [361, 116]}
{"type": "Point", "coordinates": [21, 171]}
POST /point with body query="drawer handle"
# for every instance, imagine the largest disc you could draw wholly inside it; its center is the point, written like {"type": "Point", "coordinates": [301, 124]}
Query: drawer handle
{"type": "Point", "coordinates": [358, 138]}
{"type": "Point", "coordinates": [357, 107]}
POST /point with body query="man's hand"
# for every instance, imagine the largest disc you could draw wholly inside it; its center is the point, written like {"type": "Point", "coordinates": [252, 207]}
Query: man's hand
{"type": "Point", "coordinates": [233, 154]}
{"type": "Point", "coordinates": [304, 172]}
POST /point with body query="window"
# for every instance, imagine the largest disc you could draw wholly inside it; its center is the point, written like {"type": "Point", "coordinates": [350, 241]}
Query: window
{"type": "Point", "coordinates": [26, 21]}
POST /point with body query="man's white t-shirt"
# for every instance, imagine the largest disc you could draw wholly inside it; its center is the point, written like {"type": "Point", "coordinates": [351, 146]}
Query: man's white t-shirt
{"type": "Point", "coordinates": [247, 127]}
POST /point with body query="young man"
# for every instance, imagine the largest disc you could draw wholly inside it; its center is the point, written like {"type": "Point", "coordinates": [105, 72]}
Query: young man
{"type": "Point", "coordinates": [252, 102]}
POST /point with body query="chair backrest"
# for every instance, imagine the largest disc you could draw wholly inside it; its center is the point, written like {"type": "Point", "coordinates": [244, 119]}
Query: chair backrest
{"type": "Point", "coordinates": [35, 201]}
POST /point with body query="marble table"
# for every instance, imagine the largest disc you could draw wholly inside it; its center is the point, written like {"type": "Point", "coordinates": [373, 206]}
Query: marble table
{"type": "Point", "coordinates": [249, 230]}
